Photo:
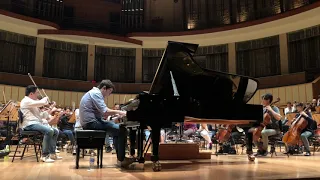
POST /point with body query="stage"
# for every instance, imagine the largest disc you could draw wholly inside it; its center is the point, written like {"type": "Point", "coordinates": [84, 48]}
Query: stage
{"type": "Point", "coordinates": [221, 167]}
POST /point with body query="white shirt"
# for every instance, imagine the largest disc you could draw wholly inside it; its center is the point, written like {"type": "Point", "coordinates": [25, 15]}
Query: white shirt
{"type": "Point", "coordinates": [31, 112]}
{"type": "Point", "coordinates": [287, 110]}
{"type": "Point", "coordinates": [77, 125]}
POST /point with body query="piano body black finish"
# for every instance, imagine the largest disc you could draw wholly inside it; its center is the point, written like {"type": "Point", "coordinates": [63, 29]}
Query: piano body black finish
{"type": "Point", "coordinates": [182, 88]}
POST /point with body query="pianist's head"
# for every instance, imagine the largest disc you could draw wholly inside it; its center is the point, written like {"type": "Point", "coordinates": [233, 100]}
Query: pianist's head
{"type": "Point", "coordinates": [106, 87]}
{"type": "Point", "coordinates": [32, 92]}
{"type": "Point", "coordinates": [267, 99]}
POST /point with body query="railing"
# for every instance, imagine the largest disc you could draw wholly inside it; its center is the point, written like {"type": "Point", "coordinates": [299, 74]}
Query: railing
{"type": "Point", "coordinates": [191, 18]}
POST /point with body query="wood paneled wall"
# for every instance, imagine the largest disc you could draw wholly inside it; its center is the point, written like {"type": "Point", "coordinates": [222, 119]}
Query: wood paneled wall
{"type": "Point", "coordinates": [63, 98]}
{"type": "Point", "coordinates": [299, 93]}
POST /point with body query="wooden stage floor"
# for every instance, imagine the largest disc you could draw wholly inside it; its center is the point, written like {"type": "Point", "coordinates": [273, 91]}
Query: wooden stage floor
{"type": "Point", "coordinates": [222, 167]}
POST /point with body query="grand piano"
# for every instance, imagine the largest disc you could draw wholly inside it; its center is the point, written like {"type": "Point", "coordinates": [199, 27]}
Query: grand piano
{"type": "Point", "coordinates": [183, 91]}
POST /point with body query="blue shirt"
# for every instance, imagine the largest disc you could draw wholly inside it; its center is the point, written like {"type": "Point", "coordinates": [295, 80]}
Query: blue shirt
{"type": "Point", "coordinates": [92, 107]}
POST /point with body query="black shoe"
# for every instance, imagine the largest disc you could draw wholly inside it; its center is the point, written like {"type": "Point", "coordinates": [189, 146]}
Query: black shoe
{"type": "Point", "coordinates": [108, 149]}
{"type": "Point", "coordinates": [307, 154]}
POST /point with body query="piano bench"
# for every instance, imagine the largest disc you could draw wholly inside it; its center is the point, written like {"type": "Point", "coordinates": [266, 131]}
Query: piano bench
{"type": "Point", "coordinates": [90, 139]}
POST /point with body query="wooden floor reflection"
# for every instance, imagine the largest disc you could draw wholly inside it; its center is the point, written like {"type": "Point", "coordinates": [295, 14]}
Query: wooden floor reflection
{"type": "Point", "coordinates": [221, 167]}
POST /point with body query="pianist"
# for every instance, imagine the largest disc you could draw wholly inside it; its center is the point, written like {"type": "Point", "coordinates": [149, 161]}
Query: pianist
{"type": "Point", "coordinates": [93, 111]}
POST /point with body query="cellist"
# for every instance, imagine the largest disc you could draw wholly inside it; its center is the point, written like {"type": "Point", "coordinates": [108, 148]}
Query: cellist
{"type": "Point", "coordinates": [307, 132]}
{"type": "Point", "coordinates": [272, 128]}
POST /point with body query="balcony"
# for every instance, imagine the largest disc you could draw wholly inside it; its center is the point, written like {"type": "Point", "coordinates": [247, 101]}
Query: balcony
{"type": "Point", "coordinates": [171, 16]}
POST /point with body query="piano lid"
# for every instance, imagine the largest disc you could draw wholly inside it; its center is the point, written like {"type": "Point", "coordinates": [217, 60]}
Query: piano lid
{"type": "Point", "coordinates": [198, 84]}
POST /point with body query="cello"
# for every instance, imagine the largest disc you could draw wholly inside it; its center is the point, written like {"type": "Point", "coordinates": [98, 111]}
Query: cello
{"type": "Point", "coordinates": [292, 137]}
{"type": "Point", "coordinates": [224, 133]}
{"type": "Point", "coordinates": [266, 121]}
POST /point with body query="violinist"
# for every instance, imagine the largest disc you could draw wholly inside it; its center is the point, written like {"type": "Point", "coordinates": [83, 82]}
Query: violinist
{"type": "Point", "coordinates": [307, 132]}
{"type": "Point", "coordinates": [32, 121]}
{"type": "Point", "coordinates": [270, 129]}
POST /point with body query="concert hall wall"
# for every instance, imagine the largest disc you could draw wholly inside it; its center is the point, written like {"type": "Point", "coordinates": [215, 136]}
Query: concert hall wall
{"type": "Point", "coordinates": [17, 53]}
{"type": "Point", "coordinates": [259, 58]}
{"type": "Point", "coordinates": [116, 64]}
{"type": "Point", "coordinates": [65, 60]}
{"type": "Point", "coordinates": [304, 49]}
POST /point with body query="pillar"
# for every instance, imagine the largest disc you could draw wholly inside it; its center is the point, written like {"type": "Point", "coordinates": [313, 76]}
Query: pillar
{"type": "Point", "coordinates": [90, 65]}
{"type": "Point", "coordinates": [232, 65]}
{"type": "Point", "coordinates": [284, 60]}
{"type": "Point", "coordinates": [138, 70]}
{"type": "Point", "coordinates": [38, 69]}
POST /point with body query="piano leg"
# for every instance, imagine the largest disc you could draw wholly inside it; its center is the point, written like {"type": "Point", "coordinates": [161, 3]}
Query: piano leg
{"type": "Point", "coordinates": [155, 136]}
{"type": "Point", "coordinates": [132, 139]}
{"type": "Point", "coordinates": [140, 144]}
{"type": "Point", "coordinates": [249, 142]}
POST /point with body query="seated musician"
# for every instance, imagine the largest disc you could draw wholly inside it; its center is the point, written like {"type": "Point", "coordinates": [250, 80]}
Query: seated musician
{"type": "Point", "coordinates": [307, 132]}
{"type": "Point", "coordinates": [50, 121]}
{"type": "Point", "coordinates": [66, 127]}
{"type": "Point", "coordinates": [287, 110]}
{"type": "Point", "coordinates": [313, 105]}
{"type": "Point", "coordinates": [93, 109]}
{"type": "Point", "coordinates": [32, 121]}
{"type": "Point", "coordinates": [189, 129]}
{"type": "Point", "coordinates": [272, 128]}
{"type": "Point", "coordinates": [204, 132]}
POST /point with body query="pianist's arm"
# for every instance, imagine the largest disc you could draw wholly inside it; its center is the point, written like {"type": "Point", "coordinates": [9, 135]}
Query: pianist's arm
{"type": "Point", "coordinates": [98, 100]}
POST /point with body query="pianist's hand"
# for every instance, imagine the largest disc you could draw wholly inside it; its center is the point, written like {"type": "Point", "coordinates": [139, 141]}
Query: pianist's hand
{"type": "Point", "coordinates": [122, 113]}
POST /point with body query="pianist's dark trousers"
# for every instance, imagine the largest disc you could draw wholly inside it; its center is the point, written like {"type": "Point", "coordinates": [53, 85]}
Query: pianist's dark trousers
{"type": "Point", "coordinates": [117, 131]}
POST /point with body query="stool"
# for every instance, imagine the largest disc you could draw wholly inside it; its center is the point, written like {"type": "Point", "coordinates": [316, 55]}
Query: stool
{"type": "Point", "coordinates": [273, 141]}
{"type": "Point", "coordinates": [90, 139]}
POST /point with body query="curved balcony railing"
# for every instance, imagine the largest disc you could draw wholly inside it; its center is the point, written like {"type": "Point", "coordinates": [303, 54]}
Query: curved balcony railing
{"type": "Point", "coordinates": [200, 14]}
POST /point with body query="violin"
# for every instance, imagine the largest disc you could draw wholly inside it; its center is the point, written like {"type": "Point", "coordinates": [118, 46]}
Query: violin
{"type": "Point", "coordinates": [266, 121]}
{"type": "Point", "coordinates": [292, 137]}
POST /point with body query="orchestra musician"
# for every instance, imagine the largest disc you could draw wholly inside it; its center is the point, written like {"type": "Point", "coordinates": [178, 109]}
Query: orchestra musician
{"type": "Point", "coordinates": [92, 111]}
{"type": "Point", "coordinates": [307, 132]}
{"type": "Point", "coordinates": [287, 110]}
{"type": "Point", "coordinates": [271, 129]}
{"type": "Point", "coordinates": [32, 121]}
{"type": "Point", "coordinates": [66, 127]}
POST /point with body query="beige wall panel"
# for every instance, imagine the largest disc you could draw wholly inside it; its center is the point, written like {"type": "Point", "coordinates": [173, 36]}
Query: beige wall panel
{"type": "Point", "coordinates": [79, 97]}
{"type": "Point", "coordinates": [302, 93]}
{"type": "Point", "coordinates": [74, 98]}
{"type": "Point", "coordinates": [288, 93]}
{"type": "Point", "coordinates": [262, 92]}
{"type": "Point", "coordinates": [251, 101]}
{"type": "Point", "coordinates": [268, 91]}
{"type": "Point", "coordinates": [22, 93]}
{"type": "Point", "coordinates": [309, 92]}
{"type": "Point", "coordinates": [256, 98]}
{"type": "Point", "coordinates": [49, 94]}
{"type": "Point", "coordinates": [61, 98]}
{"type": "Point", "coordinates": [116, 99]}
{"type": "Point", "coordinates": [7, 92]}
{"type": "Point", "coordinates": [110, 101]}
{"type": "Point", "coordinates": [282, 95]}
{"type": "Point", "coordinates": [2, 93]}
{"type": "Point", "coordinates": [275, 92]}
{"type": "Point", "coordinates": [15, 93]}
{"type": "Point", "coordinates": [55, 96]}
{"type": "Point", "coordinates": [295, 93]}
{"type": "Point", "coordinates": [67, 99]}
